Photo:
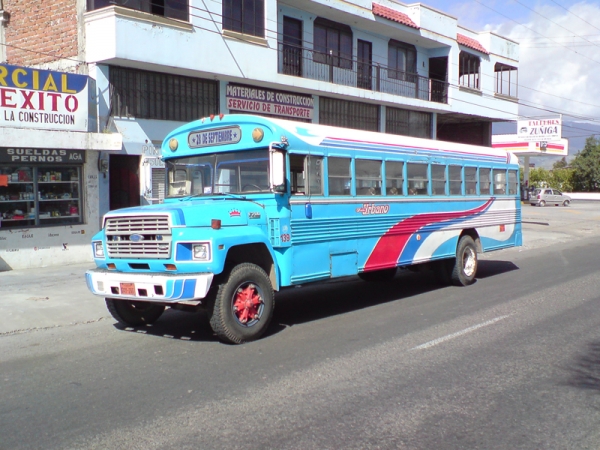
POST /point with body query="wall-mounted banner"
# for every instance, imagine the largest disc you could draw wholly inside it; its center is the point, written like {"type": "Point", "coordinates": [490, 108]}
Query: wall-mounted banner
{"type": "Point", "coordinates": [268, 101]}
{"type": "Point", "coordinates": [539, 130]}
{"type": "Point", "coordinates": [41, 156]}
{"type": "Point", "coordinates": [43, 99]}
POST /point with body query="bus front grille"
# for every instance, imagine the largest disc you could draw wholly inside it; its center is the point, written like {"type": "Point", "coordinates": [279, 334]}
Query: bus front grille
{"type": "Point", "coordinates": [140, 237]}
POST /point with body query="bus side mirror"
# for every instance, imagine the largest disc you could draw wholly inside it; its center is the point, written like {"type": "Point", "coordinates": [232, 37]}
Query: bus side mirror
{"type": "Point", "coordinates": [277, 172]}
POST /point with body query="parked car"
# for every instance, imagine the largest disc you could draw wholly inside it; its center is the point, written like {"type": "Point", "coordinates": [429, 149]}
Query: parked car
{"type": "Point", "coordinates": [547, 196]}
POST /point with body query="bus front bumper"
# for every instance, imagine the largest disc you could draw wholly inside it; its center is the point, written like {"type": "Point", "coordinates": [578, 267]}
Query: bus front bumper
{"type": "Point", "coordinates": [149, 287]}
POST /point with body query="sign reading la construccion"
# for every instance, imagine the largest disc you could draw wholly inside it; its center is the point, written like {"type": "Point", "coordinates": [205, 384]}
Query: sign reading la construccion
{"type": "Point", "coordinates": [43, 99]}
{"type": "Point", "coordinates": [539, 130]}
{"type": "Point", "coordinates": [268, 101]}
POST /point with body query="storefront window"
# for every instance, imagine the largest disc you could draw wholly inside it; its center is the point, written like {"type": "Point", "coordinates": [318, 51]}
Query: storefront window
{"type": "Point", "coordinates": [40, 195]}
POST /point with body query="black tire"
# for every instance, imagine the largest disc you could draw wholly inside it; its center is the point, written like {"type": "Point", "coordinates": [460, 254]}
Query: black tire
{"type": "Point", "coordinates": [134, 313]}
{"type": "Point", "coordinates": [379, 275]}
{"type": "Point", "coordinates": [465, 264]}
{"type": "Point", "coordinates": [566, 203]}
{"type": "Point", "coordinates": [248, 285]}
{"type": "Point", "coordinates": [542, 203]}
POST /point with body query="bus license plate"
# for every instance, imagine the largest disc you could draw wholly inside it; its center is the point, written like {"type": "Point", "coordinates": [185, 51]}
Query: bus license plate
{"type": "Point", "coordinates": [128, 289]}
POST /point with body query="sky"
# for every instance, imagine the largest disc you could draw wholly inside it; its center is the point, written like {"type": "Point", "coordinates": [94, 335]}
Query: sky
{"type": "Point", "coordinates": [559, 63]}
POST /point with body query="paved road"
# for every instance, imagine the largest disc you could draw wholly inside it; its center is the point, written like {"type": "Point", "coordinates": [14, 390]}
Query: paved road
{"type": "Point", "coordinates": [510, 362]}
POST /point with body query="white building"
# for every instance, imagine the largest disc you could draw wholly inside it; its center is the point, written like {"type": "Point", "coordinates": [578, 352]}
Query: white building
{"type": "Point", "coordinates": [386, 66]}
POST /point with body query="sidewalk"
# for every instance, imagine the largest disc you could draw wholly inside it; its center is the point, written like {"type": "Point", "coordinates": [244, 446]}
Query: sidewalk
{"type": "Point", "coordinates": [47, 297]}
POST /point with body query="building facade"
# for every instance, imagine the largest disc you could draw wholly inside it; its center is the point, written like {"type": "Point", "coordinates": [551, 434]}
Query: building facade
{"type": "Point", "coordinates": [155, 64]}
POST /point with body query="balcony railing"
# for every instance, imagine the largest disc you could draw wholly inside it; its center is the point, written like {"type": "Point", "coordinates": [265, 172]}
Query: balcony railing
{"type": "Point", "coordinates": [306, 63]}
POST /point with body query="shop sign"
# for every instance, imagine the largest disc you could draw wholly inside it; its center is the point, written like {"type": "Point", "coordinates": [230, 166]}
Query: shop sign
{"type": "Point", "coordinates": [539, 130]}
{"type": "Point", "coordinates": [43, 99]}
{"type": "Point", "coordinates": [268, 101]}
{"type": "Point", "coordinates": [41, 156]}
{"type": "Point", "coordinates": [152, 156]}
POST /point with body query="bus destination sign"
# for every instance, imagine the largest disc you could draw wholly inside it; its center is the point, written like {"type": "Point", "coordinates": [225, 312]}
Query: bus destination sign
{"type": "Point", "coordinates": [220, 136]}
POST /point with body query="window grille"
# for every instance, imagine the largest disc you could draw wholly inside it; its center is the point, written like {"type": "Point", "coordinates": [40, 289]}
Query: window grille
{"type": "Point", "coordinates": [468, 70]}
{"type": "Point", "coordinates": [408, 123]}
{"type": "Point", "coordinates": [506, 79]}
{"type": "Point", "coordinates": [348, 114]}
{"type": "Point", "coordinates": [153, 95]}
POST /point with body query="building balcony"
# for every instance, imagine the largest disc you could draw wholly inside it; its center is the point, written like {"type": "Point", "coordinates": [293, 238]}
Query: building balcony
{"type": "Point", "coordinates": [307, 63]}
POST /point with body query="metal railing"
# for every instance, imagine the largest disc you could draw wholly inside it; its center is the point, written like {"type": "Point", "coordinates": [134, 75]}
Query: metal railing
{"type": "Point", "coordinates": [307, 63]}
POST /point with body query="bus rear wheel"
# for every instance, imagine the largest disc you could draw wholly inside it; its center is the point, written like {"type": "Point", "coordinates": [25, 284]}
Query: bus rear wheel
{"type": "Point", "coordinates": [134, 313]}
{"type": "Point", "coordinates": [465, 264]}
{"type": "Point", "coordinates": [243, 305]}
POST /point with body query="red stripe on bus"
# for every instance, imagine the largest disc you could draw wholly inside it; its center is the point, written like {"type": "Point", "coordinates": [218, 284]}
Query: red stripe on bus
{"type": "Point", "coordinates": [390, 246]}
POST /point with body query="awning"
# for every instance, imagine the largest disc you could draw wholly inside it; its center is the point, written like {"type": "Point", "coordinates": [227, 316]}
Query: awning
{"type": "Point", "coordinates": [142, 136]}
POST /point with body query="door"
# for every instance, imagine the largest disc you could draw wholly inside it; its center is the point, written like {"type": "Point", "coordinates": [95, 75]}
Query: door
{"type": "Point", "coordinates": [292, 46]}
{"type": "Point", "coordinates": [124, 185]}
{"type": "Point", "coordinates": [365, 64]}
{"type": "Point", "coordinates": [438, 73]}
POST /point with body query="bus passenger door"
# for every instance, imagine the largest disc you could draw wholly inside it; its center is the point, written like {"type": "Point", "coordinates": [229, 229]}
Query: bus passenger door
{"type": "Point", "coordinates": [309, 260]}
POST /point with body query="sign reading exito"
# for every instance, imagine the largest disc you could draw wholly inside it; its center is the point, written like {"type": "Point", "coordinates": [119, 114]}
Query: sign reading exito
{"type": "Point", "coordinates": [268, 101]}
{"type": "Point", "coordinates": [43, 99]}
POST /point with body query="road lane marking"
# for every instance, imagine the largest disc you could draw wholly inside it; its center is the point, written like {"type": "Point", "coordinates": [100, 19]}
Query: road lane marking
{"type": "Point", "coordinates": [458, 333]}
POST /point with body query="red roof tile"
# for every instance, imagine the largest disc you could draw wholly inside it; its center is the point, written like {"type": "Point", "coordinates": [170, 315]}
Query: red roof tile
{"type": "Point", "coordinates": [471, 43]}
{"type": "Point", "coordinates": [392, 14]}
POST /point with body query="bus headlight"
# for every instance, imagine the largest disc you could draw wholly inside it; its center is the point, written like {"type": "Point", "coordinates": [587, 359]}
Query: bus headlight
{"type": "Point", "coordinates": [98, 250]}
{"type": "Point", "coordinates": [201, 252]}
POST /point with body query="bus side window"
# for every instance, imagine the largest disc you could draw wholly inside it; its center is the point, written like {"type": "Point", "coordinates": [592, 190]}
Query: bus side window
{"type": "Point", "coordinates": [499, 181]}
{"type": "Point", "coordinates": [368, 177]}
{"type": "Point", "coordinates": [394, 178]}
{"type": "Point", "coordinates": [339, 176]}
{"type": "Point", "coordinates": [455, 176]}
{"type": "Point", "coordinates": [471, 180]}
{"type": "Point", "coordinates": [417, 179]}
{"type": "Point", "coordinates": [484, 181]}
{"type": "Point", "coordinates": [314, 169]}
{"type": "Point", "coordinates": [513, 183]}
{"type": "Point", "coordinates": [297, 174]}
{"type": "Point", "coordinates": [438, 179]}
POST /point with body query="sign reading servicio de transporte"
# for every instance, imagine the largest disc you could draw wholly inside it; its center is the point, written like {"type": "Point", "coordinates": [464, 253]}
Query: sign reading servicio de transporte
{"type": "Point", "coordinates": [43, 99]}
{"type": "Point", "coordinates": [269, 101]}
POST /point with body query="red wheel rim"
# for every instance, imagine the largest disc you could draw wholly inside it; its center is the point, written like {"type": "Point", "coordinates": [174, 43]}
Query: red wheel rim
{"type": "Point", "coordinates": [248, 304]}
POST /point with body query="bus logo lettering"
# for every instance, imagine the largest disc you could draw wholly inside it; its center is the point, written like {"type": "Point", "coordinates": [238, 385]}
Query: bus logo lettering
{"type": "Point", "coordinates": [370, 208]}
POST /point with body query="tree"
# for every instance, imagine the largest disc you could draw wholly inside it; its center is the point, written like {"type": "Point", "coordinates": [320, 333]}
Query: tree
{"type": "Point", "coordinates": [586, 166]}
{"type": "Point", "coordinates": [560, 164]}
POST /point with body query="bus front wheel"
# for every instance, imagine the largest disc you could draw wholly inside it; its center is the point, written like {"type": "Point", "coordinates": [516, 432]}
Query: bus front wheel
{"type": "Point", "coordinates": [465, 264]}
{"type": "Point", "coordinates": [134, 313]}
{"type": "Point", "coordinates": [243, 305]}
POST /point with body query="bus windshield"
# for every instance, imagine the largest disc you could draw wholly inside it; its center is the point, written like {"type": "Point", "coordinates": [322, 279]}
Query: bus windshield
{"type": "Point", "coordinates": [218, 173]}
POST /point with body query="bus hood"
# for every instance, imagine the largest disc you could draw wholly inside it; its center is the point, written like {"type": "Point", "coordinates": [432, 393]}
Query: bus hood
{"type": "Point", "coordinates": [201, 212]}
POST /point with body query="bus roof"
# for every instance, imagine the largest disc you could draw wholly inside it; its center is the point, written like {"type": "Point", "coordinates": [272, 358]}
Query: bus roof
{"type": "Point", "coordinates": [328, 137]}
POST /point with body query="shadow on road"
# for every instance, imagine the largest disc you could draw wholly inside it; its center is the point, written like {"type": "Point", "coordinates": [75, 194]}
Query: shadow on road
{"type": "Point", "coordinates": [584, 370]}
{"type": "Point", "coordinates": [315, 301]}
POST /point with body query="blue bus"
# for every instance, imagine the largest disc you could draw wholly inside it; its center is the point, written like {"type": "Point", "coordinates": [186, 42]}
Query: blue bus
{"type": "Point", "coordinates": [256, 204]}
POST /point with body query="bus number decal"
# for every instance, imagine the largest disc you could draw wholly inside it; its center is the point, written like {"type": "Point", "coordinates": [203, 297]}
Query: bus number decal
{"type": "Point", "coordinates": [285, 237]}
{"type": "Point", "coordinates": [369, 208]}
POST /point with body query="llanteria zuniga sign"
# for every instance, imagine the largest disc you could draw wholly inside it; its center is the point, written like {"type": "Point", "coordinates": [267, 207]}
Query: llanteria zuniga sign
{"type": "Point", "coordinates": [539, 130]}
{"type": "Point", "coordinates": [43, 99]}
